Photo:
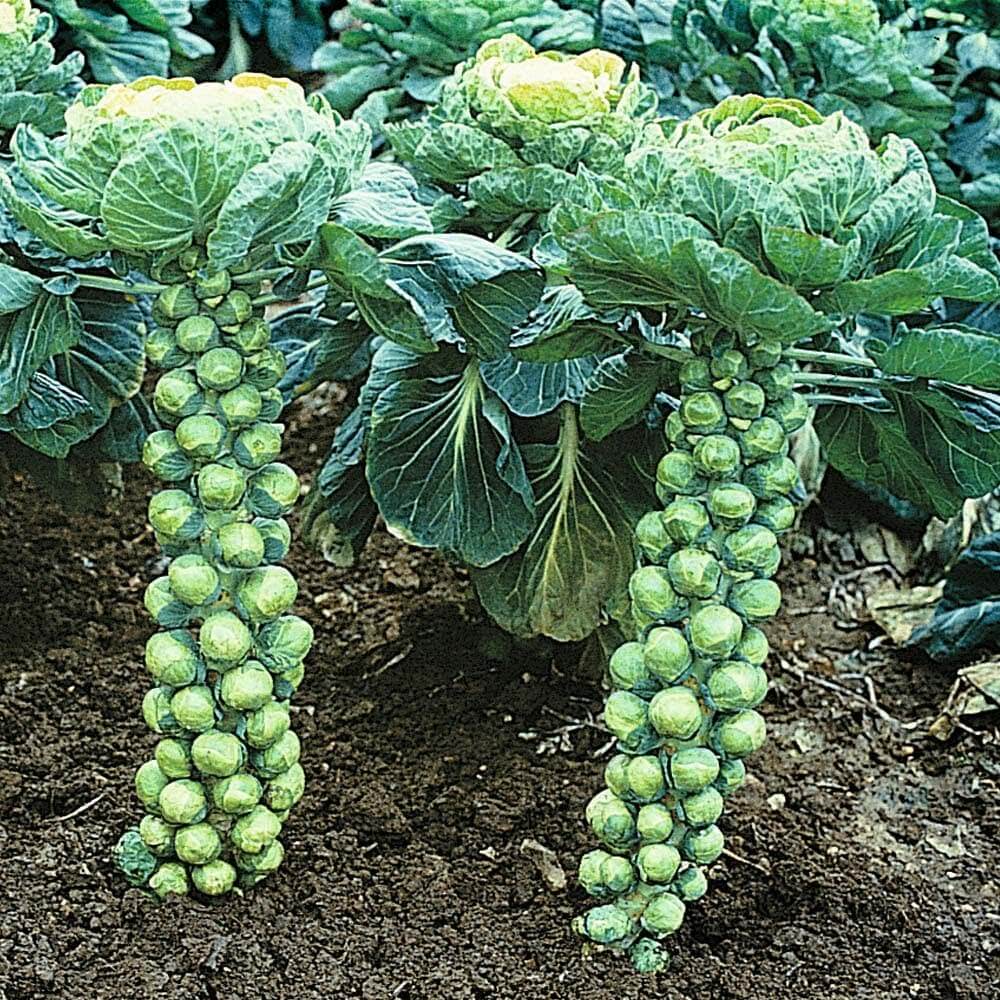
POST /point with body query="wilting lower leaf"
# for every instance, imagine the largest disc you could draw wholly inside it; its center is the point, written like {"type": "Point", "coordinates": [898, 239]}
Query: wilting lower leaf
{"type": "Point", "coordinates": [579, 554]}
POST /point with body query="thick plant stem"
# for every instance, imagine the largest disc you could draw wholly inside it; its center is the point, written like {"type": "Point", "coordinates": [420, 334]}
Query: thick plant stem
{"type": "Point", "coordinates": [687, 687]}
{"type": "Point", "coordinates": [228, 656]}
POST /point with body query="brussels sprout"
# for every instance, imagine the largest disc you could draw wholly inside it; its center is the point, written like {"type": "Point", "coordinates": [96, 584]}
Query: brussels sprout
{"type": "Point", "coordinates": [149, 782]}
{"type": "Point", "coordinates": [284, 643]}
{"type": "Point", "coordinates": [628, 670]}
{"type": "Point", "coordinates": [175, 303]}
{"type": "Point", "coordinates": [654, 823]}
{"type": "Point", "coordinates": [170, 879]}
{"type": "Point", "coordinates": [777, 382]}
{"type": "Point", "coordinates": [744, 401]}
{"type": "Point", "coordinates": [214, 879]}
{"type": "Point", "coordinates": [274, 490]}
{"type": "Point", "coordinates": [247, 686]}
{"type": "Point", "coordinates": [267, 593]}
{"type": "Point", "coordinates": [177, 395]}
{"type": "Point", "coordinates": [220, 368]}
{"type": "Point", "coordinates": [200, 436]}
{"type": "Point", "coordinates": [271, 405]}
{"type": "Point", "coordinates": [753, 549]}
{"type": "Point", "coordinates": [703, 412]}
{"type": "Point", "coordinates": [163, 457]}
{"type": "Point", "coordinates": [163, 606]}
{"type": "Point", "coordinates": [611, 820]}
{"type": "Point", "coordinates": [678, 473]}
{"type": "Point", "coordinates": [603, 924]}
{"type": "Point", "coordinates": [285, 789]}
{"type": "Point", "coordinates": [277, 537]}
{"type": "Point", "coordinates": [266, 368]}
{"type": "Point", "coordinates": [196, 334]}
{"type": "Point", "coordinates": [252, 336]}
{"type": "Point", "coordinates": [183, 801]}
{"type": "Point", "coordinates": [717, 456]}
{"type": "Point", "coordinates": [260, 865]}
{"type": "Point", "coordinates": [636, 779]}
{"type": "Point", "coordinates": [156, 710]}
{"type": "Point", "coordinates": [252, 832]}
{"type": "Point", "coordinates": [732, 776]}
{"type": "Point", "coordinates": [714, 631]}
{"type": "Point", "coordinates": [235, 308]}
{"type": "Point", "coordinates": [653, 594]}
{"type": "Point", "coordinates": [737, 685]}
{"type": "Point", "coordinates": [172, 658]}
{"type": "Point", "coordinates": [267, 724]}
{"type": "Point", "coordinates": [685, 520]}
{"type": "Point", "coordinates": [213, 286]}
{"type": "Point", "coordinates": [237, 794]}
{"type": "Point", "coordinates": [730, 364]}
{"type": "Point", "coordinates": [773, 478]}
{"type": "Point", "coordinates": [731, 505]}
{"type": "Point", "coordinates": [175, 515]}
{"type": "Point", "coordinates": [765, 354]}
{"type": "Point", "coordinates": [690, 885]}
{"type": "Point", "coordinates": [702, 808]}
{"type": "Point", "coordinates": [194, 708]}
{"type": "Point", "coordinates": [791, 411]}
{"type": "Point", "coordinates": [740, 735]}
{"type": "Point", "coordinates": [763, 439]}
{"type": "Point", "coordinates": [694, 572]}
{"type": "Point", "coordinates": [778, 514]}
{"type": "Point", "coordinates": [666, 654]}
{"type": "Point", "coordinates": [258, 445]}
{"type": "Point", "coordinates": [220, 487]}
{"type": "Point", "coordinates": [649, 956]}
{"type": "Point", "coordinates": [653, 540]}
{"type": "Point", "coordinates": [753, 646]}
{"type": "Point", "coordinates": [603, 874]}
{"type": "Point", "coordinates": [197, 844]}
{"type": "Point", "coordinates": [193, 579]}
{"type": "Point", "coordinates": [674, 430]}
{"type": "Point", "coordinates": [217, 754]}
{"type": "Point", "coordinates": [174, 757]}
{"type": "Point", "coordinates": [626, 717]}
{"type": "Point", "coordinates": [241, 545]}
{"type": "Point", "coordinates": [756, 600]}
{"type": "Point", "coordinates": [134, 858]}
{"type": "Point", "coordinates": [703, 846]}
{"type": "Point", "coordinates": [675, 713]}
{"type": "Point", "coordinates": [696, 373]}
{"type": "Point", "coordinates": [693, 769]}
{"type": "Point", "coordinates": [664, 915]}
{"type": "Point", "coordinates": [223, 638]}
{"type": "Point", "coordinates": [658, 863]}
{"type": "Point", "coordinates": [162, 349]}
{"type": "Point", "coordinates": [282, 754]}
{"type": "Point", "coordinates": [240, 407]}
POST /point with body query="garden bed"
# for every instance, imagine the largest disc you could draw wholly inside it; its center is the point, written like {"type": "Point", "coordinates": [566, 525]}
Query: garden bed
{"type": "Point", "coordinates": [865, 851]}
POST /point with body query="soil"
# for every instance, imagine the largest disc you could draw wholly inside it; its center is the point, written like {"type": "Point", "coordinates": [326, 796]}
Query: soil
{"type": "Point", "coordinates": [863, 851]}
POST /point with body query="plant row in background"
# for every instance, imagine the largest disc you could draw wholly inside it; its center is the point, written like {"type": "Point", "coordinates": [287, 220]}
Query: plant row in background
{"type": "Point", "coordinates": [583, 319]}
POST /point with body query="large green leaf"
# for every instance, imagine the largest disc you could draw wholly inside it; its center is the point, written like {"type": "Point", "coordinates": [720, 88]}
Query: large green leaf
{"type": "Point", "coordinates": [285, 199]}
{"type": "Point", "coordinates": [577, 560]}
{"type": "Point", "coordinates": [28, 338]}
{"type": "Point", "coordinates": [38, 159]}
{"type": "Point", "coordinates": [954, 353]}
{"type": "Point", "coordinates": [620, 388]}
{"type": "Point", "coordinates": [530, 389]}
{"type": "Point", "coordinates": [445, 470]}
{"type": "Point", "coordinates": [166, 191]}
{"type": "Point", "coordinates": [922, 447]}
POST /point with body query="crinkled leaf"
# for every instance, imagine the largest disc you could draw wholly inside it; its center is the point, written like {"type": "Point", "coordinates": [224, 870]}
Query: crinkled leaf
{"type": "Point", "coordinates": [620, 388]}
{"type": "Point", "coordinates": [530, 389]}
{"type": "Point", "coordinates": [953, 353]}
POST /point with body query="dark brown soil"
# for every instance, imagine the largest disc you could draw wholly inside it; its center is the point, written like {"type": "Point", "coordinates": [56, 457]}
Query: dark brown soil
{"type": "Point", "coordinates": [868, 849]}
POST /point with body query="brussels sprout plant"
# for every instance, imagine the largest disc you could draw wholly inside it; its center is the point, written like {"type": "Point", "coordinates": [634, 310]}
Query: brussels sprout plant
{"type": "Point", "coordinates": [192, 186]}
{"type": "Point", "coordinates": [761, 226]}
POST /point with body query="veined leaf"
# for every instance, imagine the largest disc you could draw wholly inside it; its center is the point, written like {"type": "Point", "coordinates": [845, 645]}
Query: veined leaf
{"type": "Point", "coordinates": [618, 390]}
{"type": "Point", "coordinates": [954, 353]}
{"type": "Point", "coordinates": [530, 389]}
{"type": "Point", "coordinates": [445, 470]}
{"type": "Point", "coordinates": [579, 555]}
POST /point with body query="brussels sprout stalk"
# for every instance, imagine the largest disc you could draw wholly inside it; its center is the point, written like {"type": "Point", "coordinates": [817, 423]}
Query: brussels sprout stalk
{"type": "Point", "coordinates": [686, 690]}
